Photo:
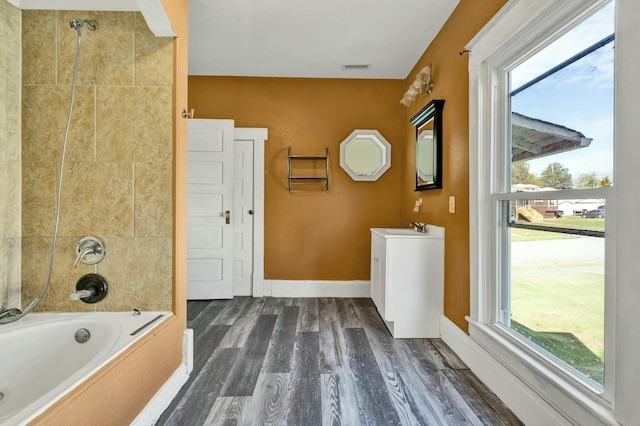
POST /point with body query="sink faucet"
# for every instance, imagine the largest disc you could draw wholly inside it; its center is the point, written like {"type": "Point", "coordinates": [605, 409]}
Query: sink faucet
{"type": "Point", "coordinates": [419, 226]}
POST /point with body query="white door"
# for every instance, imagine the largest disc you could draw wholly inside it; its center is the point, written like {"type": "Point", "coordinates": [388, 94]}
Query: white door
{"type": "Point", "coordinates": [243, 218]}
{"type": "Point", "coordinates": [209, 205]}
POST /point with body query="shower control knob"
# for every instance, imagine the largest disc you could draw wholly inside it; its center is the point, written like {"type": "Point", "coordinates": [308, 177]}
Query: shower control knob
{"type": "Point", "coordinates": [90, 250]}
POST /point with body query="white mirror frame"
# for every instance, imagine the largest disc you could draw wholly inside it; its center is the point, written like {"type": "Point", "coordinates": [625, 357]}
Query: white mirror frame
{"type": "Point", "coordinates": [377, 141]}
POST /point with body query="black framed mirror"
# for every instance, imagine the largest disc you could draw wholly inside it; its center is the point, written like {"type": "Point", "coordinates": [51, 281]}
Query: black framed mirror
{"type": "Point", "coordinates": [428, 124]}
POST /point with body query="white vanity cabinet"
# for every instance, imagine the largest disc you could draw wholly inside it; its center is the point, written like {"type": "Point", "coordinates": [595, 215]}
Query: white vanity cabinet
{"type": "Point", "coordinates": [407, 280]}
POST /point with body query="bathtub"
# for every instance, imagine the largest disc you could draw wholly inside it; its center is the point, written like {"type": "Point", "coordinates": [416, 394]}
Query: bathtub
{"type": "Point", "coordinates": [41, 361]}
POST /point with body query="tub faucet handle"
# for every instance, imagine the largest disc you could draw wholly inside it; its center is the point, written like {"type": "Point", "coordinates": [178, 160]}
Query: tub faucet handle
{"type": "Point", "coordinates": [90, 250]}
{"type": "Point", "coordinates": [82, 254]}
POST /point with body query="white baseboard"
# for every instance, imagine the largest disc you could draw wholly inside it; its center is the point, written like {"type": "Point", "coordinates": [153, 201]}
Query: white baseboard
{"type": "Point", "coordinates": [161, 400]}
{"type": "Point", "coordinates": [266, 288]}
{"type": "Point", "coordinates": [289, 288]}
{"type": "Point", "coordinates": [520, 398]}
{"type": "Point", "coordinates": [187, 349]}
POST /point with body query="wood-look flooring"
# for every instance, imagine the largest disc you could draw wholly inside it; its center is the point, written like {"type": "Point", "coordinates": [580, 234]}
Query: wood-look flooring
{"type": "Point", "coordinates": [321, 361]}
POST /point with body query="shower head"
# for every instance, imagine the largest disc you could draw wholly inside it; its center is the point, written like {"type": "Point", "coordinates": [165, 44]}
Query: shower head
{"type": "Point", "coordinates": [76, 24]}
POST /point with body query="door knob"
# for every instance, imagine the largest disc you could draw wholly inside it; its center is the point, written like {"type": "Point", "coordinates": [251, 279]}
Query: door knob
{"type": "Point", "coordinates": [251, 212]}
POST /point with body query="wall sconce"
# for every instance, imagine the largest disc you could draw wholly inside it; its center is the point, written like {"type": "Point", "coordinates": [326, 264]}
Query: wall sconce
{"type": "Point", "coordinates": [421, 85]}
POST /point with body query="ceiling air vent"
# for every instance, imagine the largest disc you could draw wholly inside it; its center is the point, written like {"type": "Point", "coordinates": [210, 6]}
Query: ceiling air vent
{"type": "Point", "coordinates": [356, 66]}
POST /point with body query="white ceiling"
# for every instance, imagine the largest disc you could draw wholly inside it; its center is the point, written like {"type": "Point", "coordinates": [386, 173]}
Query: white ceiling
{"type": "Point", "coordinates": [303, 38]}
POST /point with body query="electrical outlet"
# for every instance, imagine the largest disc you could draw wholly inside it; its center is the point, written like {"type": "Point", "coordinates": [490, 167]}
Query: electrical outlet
{"type": "Point", "coordinates": [452, 204]}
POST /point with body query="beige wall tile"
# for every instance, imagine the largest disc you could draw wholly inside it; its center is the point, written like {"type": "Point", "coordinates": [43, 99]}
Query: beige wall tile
{"type": "Point", "coordinates": [63, 277]}
{"type": "Point", "coordinates": [134, 124]}
{"type": "Point", "coordinates": [39, 47]}
{"type": "Point", "coordinates": [153, 199]}
{"type": "Point", "coordinates": [38, 198]}
{"type": "Point", "coordinates": [10, 166]}
{"type": "Point", "coordinates": [107, 54]}
{"type": "Point", "coordinates": [153, 56]}
{"type": "Point", "coordinates": [10, 200]}
{"type": "Point", "coordinates": [10, 34]}
{"type": "Point", "coordinates": [10, 76]}
{"type": "Point", "coordinates": [138, 271]}
{"type": "Point", "coordinates": [44, 119]}
{"type": "Point", "coordinates": [10, 250]}
{"type": "Point", "coordinates": [12, 115]}
{"type": "Point", "coordinates": [5, 146]}
{"type": "Point", "coordinates": [115, 127]}
{"type": "Point", "coordinates": [97, 199]}
{"type": "Point", "coordinates": [9, 20]}
{"type": "Point", "coordinates": [35, 261]}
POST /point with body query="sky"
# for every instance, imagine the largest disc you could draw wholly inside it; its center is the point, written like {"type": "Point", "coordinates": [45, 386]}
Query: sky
{"type": "Point", "coordinates": [579, 97]}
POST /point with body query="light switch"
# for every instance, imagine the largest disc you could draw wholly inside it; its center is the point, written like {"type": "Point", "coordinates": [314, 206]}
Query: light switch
{"type": "Point", "coordinates": [452, 204]}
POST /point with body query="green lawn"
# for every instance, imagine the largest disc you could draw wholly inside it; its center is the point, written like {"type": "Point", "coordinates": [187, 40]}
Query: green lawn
{"type": "Point", "coordinates": [595, 224]}
{"type": "Point", "coordinates": [561, 307]}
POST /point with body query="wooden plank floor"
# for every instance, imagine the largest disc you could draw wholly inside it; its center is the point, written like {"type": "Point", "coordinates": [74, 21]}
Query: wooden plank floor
{"type": "Point", "coordinates": [321, 361]}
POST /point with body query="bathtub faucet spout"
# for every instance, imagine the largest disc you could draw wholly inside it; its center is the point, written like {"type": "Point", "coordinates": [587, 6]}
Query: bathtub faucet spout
{"type": "Point", "coordinates": [80, 294]}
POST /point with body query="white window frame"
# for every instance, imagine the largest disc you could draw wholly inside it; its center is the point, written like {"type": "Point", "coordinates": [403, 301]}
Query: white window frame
{"type": "Point", "coordinates": [517, 31]}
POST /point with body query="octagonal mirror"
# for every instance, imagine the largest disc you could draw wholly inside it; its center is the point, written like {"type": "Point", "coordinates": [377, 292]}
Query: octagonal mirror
{"type": "Point", "coordinates": [365, 155]}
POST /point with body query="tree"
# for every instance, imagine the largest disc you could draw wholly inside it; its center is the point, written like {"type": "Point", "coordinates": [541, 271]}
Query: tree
{"type": "Point", "coordinates": [557, 176]}
{"type": "Point", "coordinates": [588, 180]}
{"type": "Point", "coordinates": [520, 173]}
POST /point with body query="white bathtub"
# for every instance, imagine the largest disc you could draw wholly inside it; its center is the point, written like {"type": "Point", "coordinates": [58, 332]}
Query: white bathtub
{"type": "Point", "coordinates": [40, 360]}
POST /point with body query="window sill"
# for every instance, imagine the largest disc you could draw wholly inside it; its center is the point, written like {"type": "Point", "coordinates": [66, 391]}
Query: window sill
{"type": "Point", "coordinates": [575, 399]}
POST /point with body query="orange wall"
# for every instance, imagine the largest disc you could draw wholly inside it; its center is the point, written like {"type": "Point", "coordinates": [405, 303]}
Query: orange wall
{"type": "Point", "coordinates": [315, 235]}
{"type": "Point", "coordinates": [451, 83]}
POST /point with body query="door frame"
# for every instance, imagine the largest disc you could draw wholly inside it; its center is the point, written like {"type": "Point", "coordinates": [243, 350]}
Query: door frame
{"type": "Point", "coordinates": [258, 136]}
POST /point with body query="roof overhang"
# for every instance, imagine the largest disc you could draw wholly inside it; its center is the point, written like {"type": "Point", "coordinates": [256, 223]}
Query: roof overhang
{"type": "Point", "coordinates": [532, 138]}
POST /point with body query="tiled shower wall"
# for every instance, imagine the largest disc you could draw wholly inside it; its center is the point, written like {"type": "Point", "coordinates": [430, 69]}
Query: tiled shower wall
{"type": "Point", "coordinates": [9, 156]}
{"type": "Point", "coordinates": [117, 180]}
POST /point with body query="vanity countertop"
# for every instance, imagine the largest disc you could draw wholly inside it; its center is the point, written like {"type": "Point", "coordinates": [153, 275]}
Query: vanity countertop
{"type": "Point", "coordinates": [433, 232]}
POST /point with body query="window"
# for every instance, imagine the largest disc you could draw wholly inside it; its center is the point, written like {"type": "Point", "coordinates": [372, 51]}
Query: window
{"type": "Point", "coordinates": [601, 202]}
{"type": "Point", "coordinates": [561, 137]}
